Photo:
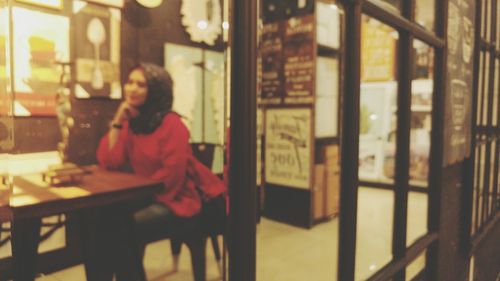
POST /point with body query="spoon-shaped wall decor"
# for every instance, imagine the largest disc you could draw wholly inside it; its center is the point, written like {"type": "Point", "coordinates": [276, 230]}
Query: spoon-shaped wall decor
{"type": "Point", "coordinates": [96, 35]}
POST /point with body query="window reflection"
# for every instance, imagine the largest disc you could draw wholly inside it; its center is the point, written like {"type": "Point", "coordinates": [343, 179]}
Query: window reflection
{"type": "Point", "coordinates": [421, 108]}
{"type": "Point", "coordinates": [416, 267]}
{"type": "Point", "coordinates": [389, 4]}
{"type": "Point", "coordinates": [425, 13]}
{"type": "Point", "coordinates": [377, 140]}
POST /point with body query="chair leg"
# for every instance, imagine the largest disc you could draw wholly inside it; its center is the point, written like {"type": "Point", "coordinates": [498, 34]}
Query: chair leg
{"type": "Point", "coordinates": [175, 246]}
{"type": "Point", "coordinates": [216, 248]}
{"type": "Point", "coordinates": [196, 246]}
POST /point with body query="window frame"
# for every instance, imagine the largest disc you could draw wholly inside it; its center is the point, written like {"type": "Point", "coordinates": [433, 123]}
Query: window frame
{"type": "Point", "coordinates": [408, 30]}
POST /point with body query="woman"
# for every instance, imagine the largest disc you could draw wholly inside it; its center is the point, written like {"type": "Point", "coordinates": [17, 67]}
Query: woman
{"type": "Point", "coordinates": [147, 135]}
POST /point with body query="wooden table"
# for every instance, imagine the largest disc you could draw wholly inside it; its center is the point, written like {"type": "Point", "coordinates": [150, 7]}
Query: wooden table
{"type": "Point", "coordinates": [108, 240]}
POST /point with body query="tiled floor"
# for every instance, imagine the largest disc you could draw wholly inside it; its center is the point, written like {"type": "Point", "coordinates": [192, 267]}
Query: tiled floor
{"type": "Point", "coordinates": [287, 253]}
{"type": "Point", "coordinates": [158, 265]}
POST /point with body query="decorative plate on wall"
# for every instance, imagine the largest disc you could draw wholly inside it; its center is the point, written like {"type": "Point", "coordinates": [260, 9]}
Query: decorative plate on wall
{"type": "Point", "coordinates": [202, 20]}
{"type": "Point", "coordinates": [150, 3]}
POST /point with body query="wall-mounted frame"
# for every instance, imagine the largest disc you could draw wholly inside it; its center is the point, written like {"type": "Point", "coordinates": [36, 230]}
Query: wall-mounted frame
{"type": "Point", "coordinates": [113, 3]}
{"type": "Point", "coordinates": [39, 40]}
{"type": "Point", "coordinates": [52, 4]}
{"type": "Point", "coordinates": [288, 144]}
{"type": "Point", "coordinates": [97, 54]}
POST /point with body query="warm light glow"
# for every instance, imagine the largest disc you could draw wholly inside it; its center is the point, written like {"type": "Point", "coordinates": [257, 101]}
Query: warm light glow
{"type": "Point", "coordinates": [225, 25]}
{"type": "Point", "coordinates": [333, 7]}
{"type": "Point", "coordinates": [202, 24]}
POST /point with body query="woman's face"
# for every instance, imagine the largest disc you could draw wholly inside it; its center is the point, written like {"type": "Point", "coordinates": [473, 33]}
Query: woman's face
{"type": "Point", "coordinates": [136, 88]}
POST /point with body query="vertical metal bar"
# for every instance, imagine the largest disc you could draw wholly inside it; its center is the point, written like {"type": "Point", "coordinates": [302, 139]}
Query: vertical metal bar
{"type": "Point", "coordinates": [350, 143]}
{"type": "Point", "coordinates": [405, 66]}
{"type": "Point", "coordinates": [436, 150]}
{"type": "Point", "coordinates": [242, 191]}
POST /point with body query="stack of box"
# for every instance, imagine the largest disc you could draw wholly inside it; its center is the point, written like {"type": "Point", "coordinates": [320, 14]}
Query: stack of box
{"type": "Point", "coordinates": [326, 192]}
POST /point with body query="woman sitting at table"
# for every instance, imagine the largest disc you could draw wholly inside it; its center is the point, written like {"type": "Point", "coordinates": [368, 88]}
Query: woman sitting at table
{"type": "Point", "coordinates": [146, 134]}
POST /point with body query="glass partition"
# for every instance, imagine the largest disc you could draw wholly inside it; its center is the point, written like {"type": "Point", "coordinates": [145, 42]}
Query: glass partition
{"type": "Point", "coordinates": [301, 54]}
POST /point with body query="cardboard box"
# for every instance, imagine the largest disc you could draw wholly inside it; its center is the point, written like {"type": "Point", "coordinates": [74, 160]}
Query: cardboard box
{"type": "Point", "coordinates": [332, 156]}
{"type": "Point", "coordinates": [332, 191]}
{"type": "Point", "coordinates": [318, 192]}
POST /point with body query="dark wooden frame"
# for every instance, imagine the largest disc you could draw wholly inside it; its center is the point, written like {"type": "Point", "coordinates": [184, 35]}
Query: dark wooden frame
{"type": "Point", "coordinates": [408, 30]}
{"type": "Point", "coordinates": [476, 227]}
{"type": "Point", "coordinates": [242, 170]}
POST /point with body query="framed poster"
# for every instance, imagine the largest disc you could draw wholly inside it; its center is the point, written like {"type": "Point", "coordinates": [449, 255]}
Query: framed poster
{"type": "Point", "coordinates": [113, 3]}
{"type": "Point", "coordinates": [39, 41]}
{"type": "Point", "coordinates": [97, 52]}
{"type": "Point", "coordinates": [288, 147]}
{"type": "Point", "coordinates": [53, 4]}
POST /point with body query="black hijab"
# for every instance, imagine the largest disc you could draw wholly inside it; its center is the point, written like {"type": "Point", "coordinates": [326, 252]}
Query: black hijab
{"type": "Point", "coordinates": [158, 101]}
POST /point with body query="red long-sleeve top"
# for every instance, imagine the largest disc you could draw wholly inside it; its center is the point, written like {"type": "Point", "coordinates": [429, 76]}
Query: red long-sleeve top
{"type": "Point", "coordinates": [164, 155]}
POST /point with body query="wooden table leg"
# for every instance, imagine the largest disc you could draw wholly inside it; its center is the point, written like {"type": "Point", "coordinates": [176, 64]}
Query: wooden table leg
{"type": "Point", "coordinates": [25, 238]}
{"type": "Point", "coordinates": [110, 245]}
{"type": "Point", "coordinates": [96, 253]}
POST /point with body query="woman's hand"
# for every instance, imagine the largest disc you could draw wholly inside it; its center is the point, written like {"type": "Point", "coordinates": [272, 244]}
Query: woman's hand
{"type": "Point", "coordinates": [125, 112]}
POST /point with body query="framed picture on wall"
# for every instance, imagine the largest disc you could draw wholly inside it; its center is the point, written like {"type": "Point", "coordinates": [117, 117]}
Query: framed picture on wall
{"type": "Point", "coordinates": [53, 4]}
{"type": "Point", "coordinates": [97, 53]}
{"type": "Point", "coordinates": [39, 40]}
{"type": "Point", "coordinates": [113, 3]}
{"type": "Point", "coordinates": [288, 147]}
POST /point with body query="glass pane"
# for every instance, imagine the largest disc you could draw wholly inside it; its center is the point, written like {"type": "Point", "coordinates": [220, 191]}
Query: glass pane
{"type": "Point", "coordinates": [475, 195]}
{"type": "Point", "coordinates": [482, 160]}
{"type": "Point", "coordinates": [480, 91]}
{"type": "Point", "coordinates": [416, 266]}
{"type": "Point", "coordinates": [491, 187]}
{"type": "Point", "coordinates": [394, 5]}
{"type": "Point", "coordinates": [327, 97]}
{"type": "Point", "coordinates": [483, 18]}
{"type": "Point", "coordinates": [498, 27]}
{"type": "Point", "coordinates": [300, 242]}
{"type": "Point", "coordinates": [374, 230]}
{"type": "Point", "coordinates": [425, 13]}
{"type": "Point", "coordinates": [421, 108]}
{"type": "Point", "coordinates": [417, 216]}
{"type": "Point", "coordinates": [496, 92]}
{"type": "Point", "coordinates": [486, 90]}
{"type": "Point", "coordinates": [489, 14]}
{"type": "Point", "coordinates": [377, 140]}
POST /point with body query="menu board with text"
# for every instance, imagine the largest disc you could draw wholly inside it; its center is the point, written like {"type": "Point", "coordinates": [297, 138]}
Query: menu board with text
{"type": "Point", "coordinates": [299, 51]}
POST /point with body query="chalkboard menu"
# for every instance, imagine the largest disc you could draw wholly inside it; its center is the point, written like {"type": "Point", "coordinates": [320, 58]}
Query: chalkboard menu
{"type": "Point", "coordinates": [457, 133]}
{"type": "Point", "coordinates": [288, 52]}
{"type": "Point", "coordinates": [272, 74]}
{"type": "Point", "coordinates": [299, 56]}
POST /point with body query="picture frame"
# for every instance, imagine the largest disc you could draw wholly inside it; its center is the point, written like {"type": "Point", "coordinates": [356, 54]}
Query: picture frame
{"type": "Point", "coordinates": [112, 3]}
{"type": "Point", "coordinates": [39, 40]}
{"type": "Point", "coordinates": [51, 4]}
{"type": "Point", "coordinates": [97, 56]}
{"type": "Point", "coordinates": [288, 147]}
